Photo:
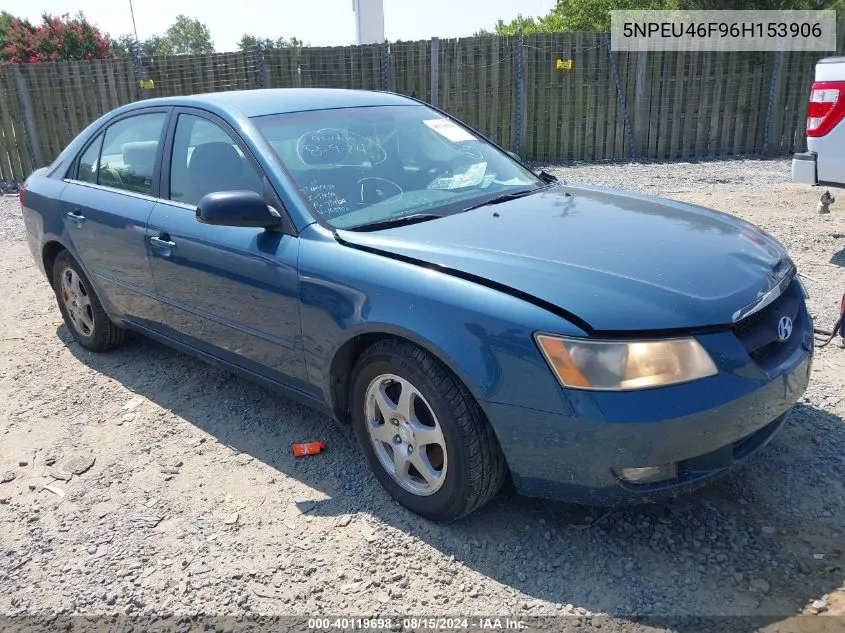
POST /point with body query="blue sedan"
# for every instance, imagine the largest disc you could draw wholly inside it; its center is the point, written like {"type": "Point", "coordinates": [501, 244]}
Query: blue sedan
{"type": "Point", "coordinates": [381, 261]}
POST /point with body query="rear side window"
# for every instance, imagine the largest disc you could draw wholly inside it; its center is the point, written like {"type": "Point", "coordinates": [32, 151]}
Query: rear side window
{"type": "Point", "coordinates": [89, 160]}
{"type": "Point", "coordinates": [129, 153]}
{"type": "Point", "coordinates": [207, 159]}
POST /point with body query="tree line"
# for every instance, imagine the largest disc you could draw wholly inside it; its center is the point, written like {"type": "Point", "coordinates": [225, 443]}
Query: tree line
{"type": "Point", "coordinates": [69, 38]}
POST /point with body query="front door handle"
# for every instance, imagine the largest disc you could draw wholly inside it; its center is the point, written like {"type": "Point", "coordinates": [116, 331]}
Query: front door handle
{"type": "Point", "coordinates": [76, 216]}
{"type": "Point", "coordinates": [163, 244]}
{"type": "Point", "coordinates": [160, 242]}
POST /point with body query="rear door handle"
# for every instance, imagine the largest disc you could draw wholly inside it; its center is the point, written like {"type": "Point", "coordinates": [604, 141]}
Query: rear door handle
{"type": "Point", "coordinates": [76, 216]}
{"type": "Point", "coordinates": [162, 243]}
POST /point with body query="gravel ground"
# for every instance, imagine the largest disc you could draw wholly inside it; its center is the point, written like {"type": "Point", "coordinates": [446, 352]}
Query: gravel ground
{"type": "Point", "coordinates": [194, 505]}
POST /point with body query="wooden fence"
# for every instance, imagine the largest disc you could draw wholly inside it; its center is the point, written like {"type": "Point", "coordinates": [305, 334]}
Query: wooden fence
{"type": "Point", "coordinates": [546, 97]}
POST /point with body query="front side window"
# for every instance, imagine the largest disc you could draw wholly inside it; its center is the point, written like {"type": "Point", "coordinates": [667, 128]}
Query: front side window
{"type": "Point", "coordinates": [129, 153]}
{"type": "Point", "coordinates": [358, 166]}
{"type": "Point", "coordinates": [89, 160]}
{"type": "Point", "coordinates": [207, 159]}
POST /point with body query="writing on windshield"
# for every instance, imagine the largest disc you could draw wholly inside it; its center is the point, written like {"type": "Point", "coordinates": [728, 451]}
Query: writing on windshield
{"type": "Point", "coordinates": [364, 165]}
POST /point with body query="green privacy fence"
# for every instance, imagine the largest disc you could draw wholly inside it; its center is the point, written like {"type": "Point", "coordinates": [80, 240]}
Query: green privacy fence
{"type": "Point", "coordinates": [558, 96]}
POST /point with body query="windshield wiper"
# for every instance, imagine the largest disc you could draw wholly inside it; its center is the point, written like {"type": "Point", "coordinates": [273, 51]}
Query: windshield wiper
{"type": "Point", "coordinates": [547, 177]}
{"type": "Point", "coordinates": [504, 197]}
{"type": "Point", "coordinates": [397, 221]}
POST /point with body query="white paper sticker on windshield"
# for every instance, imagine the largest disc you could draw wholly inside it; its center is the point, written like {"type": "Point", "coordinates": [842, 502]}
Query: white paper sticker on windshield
{"type": "Point", "coordinates": [449, 130]}
{"type": "Point", "coordinates": [485, 182]}
{"type": "Point", "coordinates": [470, 178]}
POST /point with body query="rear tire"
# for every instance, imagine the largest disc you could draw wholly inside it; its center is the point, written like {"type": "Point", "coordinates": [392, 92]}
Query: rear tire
{"type": "Point", "coordinates": [81, 309]}
{"type": "Point", "coordinates": [438, 455]}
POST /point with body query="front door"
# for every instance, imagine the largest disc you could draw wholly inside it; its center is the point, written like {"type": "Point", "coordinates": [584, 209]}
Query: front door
{"type": "Point", "coordinates": [232, 292]}
{"type": "Point", "coordinates": [110, 194]}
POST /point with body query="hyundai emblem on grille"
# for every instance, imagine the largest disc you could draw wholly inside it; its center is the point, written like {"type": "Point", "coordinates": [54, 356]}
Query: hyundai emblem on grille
{"type": "Point", "coordinates": [784, 328]}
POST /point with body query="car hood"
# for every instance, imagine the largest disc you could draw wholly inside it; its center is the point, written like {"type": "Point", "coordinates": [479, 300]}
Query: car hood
{"type": "Point", "coordinates": [618, 261]}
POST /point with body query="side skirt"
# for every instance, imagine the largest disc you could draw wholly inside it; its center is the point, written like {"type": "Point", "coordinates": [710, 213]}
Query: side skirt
{"type": "Point", "coordinates": [282, 389]}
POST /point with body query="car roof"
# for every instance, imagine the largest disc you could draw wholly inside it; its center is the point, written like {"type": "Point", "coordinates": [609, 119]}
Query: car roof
{"type": "Point", "coordinates": [252, 103]}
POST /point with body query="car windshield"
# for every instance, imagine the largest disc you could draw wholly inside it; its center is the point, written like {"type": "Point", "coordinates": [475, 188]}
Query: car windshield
{"type": "Point", "coordinates": [364, 165]}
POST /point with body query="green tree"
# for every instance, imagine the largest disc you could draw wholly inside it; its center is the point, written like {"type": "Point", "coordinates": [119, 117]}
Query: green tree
{"type": "Point", "coordinates": [594, 15]}
{"type": "Point", "coordinates": [575, 15]}
{"type": "Point", "coordinates": [123, 46]}
{"type": "Point", "coordinates": [734, 5]}
{"type": "Point", "coordinates": [156, 45]}
{"type": "Point", "coordinates": [248, 42]}
{"type": "Point", "coordinates": [187, 35]}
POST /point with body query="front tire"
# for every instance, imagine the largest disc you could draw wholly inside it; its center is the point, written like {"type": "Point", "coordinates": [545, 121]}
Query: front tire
{"type": "Point", "coordinates": [81, 309]}
{"type": "Point", "coordinates": [422, 432]}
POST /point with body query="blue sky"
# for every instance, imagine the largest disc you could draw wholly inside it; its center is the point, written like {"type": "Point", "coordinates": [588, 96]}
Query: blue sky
{"type": "Point", "coordinates": [318, 22]}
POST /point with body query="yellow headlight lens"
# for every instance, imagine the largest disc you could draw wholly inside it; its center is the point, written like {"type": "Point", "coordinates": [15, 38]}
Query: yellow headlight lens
{"type": "Point", "coordinates": [625, 365]}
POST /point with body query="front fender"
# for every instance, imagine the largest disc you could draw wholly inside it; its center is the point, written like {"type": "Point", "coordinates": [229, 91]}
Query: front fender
{"type": "Point", "coordinates": [483, 335]}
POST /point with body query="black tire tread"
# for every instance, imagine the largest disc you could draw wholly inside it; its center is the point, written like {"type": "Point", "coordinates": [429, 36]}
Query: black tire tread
{"type": "Point", "coordinates": [487, 468]}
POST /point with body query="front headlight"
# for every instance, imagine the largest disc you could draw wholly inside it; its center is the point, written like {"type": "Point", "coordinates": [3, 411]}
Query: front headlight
{"type": "Point", "coordinates": [624, 365]}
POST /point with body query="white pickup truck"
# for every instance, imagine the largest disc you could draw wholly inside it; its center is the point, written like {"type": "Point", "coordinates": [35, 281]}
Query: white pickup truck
{"type": "Point", "coordinates": [824, 161]}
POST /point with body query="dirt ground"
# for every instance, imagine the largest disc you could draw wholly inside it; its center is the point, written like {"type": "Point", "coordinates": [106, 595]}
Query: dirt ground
{"type": "Point", "coordinates": [194, 504]}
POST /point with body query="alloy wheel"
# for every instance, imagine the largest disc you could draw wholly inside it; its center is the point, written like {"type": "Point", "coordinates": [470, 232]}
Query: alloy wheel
{"type": "Point", "coordinates": [405, 434]}
{"type": "Point", "coordinates": [77, 301]}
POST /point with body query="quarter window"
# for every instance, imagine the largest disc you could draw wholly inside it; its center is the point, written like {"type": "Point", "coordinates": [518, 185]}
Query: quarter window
{"type": "Point", "coordinates": [129, 153]}
{"type": "Point", "coordinates": [89, 160]}
{"type": "Point", "coordinates": [207, 159]}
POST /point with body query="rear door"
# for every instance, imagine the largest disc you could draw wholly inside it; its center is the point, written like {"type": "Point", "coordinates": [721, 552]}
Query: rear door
{"type": "Point", "coordinates": [232, 292]}
{"type": "Point", "coordinates": [112, 189]}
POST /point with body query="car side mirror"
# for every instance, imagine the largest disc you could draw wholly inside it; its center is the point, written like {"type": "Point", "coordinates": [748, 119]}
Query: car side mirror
{"type": "Point", "coordinates": [237, 208]}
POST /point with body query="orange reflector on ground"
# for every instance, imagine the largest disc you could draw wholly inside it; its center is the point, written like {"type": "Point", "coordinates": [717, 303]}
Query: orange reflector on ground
{"type": "Point", "coordinates": [301, 449]}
